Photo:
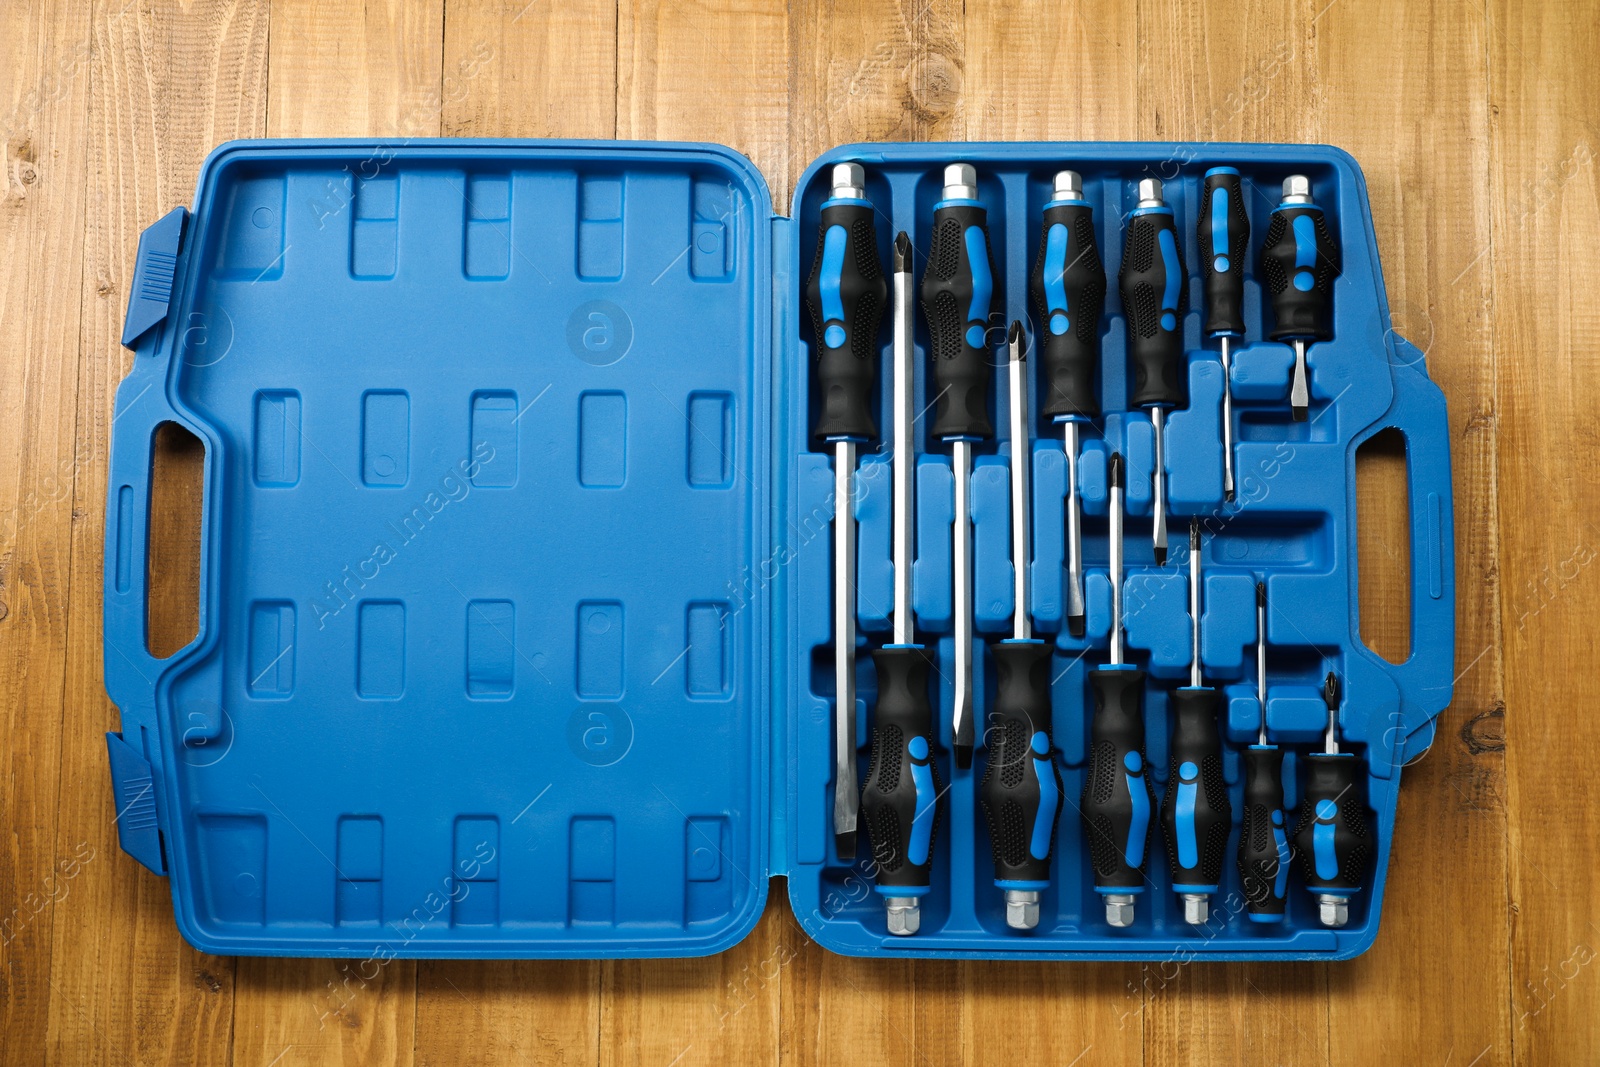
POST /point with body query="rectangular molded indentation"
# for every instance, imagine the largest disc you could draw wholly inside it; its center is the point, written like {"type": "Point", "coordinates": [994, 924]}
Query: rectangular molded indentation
{"type": "Point", "coordinates": [706, 662]}
{"type": "Point", "coordinates": [124, 538]}
{"type": "Point", "coordinates": [491, 648]}
{"type": "Point", "coordinates": [488, 241]}
{"type": "Point", "coordinates": [710, 445]}
{"type": "Point", "coordinates": [476, 901]}
{"type": "Point", "coordinates": [252, 237]}
{"type": "Point", "coordinates": [602, 440]}
{"type": "Point", "coordinates": [707, 883]}
{"type": "Point", "coordinates": [600, 228]}
{"type": "Point", "coordinates": [385, 437]}
{"type": "Point", "coordinates": [600, 649]}
{"type": "Point", "coordinates": [271, 661]}
{"type": "Point", "coordinates": [277, 438]}
{"type": "Point", "coordinates": [374, 227]}
{"type": "Point", "coordinates": [712, 231]}
{"type": "Point", "coordinates": [593, 866]}
{"type": "Point", "coordinates": [360, 870]}
{"type": "Point", "coordinates": [381, 650]}
{"type": "Point", "coordinates": [494, 439]}
{"type": "Point", "coordinates": [233, 859]}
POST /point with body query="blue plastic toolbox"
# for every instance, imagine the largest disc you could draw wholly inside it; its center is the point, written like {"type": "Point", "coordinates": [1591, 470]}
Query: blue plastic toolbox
{"type": "Point", "coordinates": [514, 630]}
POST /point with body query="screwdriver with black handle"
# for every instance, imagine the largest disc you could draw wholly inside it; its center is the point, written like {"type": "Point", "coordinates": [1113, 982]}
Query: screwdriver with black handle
{"type": "Point", "coordinates": [1196, 812]}
{"type": "Point", "coordinates": [1068, 286]}
{"type": "Point", "coordinates": [1299, 261]}
{"type": "Point", "coordinates": [900, 804]}
{"type": "Point", "coordinates": [1117, 800]}
{"type": "Point", "coordinates": [1263, 843]}
{"type": "Point", "coordinates": [1021, 787]}
{"type": "Point", "coordinates": [1331, 835]}
{"type": "Point", "coordinates": [846, 294]}
{"type": "Point", "coordinates": [957, 290]}
{"type": "Point", "coordinates": [1224, 236]}
{"type": "Point", "coordinates": [1152, 299]}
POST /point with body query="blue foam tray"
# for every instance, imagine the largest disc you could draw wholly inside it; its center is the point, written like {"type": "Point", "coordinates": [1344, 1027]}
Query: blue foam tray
{"type": "Point", "coordinates": [513, 626]}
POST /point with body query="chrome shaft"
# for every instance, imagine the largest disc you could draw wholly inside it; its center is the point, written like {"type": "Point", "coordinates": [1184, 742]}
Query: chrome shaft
{"type": "Point", "coordinates": [846, 796]}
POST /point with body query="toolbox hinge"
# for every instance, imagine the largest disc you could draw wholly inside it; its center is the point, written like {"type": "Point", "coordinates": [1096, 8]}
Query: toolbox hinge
{"type": "Point", "coordinates": [154, 272]}
{"type": "Point", "coordinates": [783, 332]}
{"type": "Point", "coordinates": [133, 788]}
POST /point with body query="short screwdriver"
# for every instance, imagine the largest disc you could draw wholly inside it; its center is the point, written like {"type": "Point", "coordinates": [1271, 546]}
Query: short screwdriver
{"type": "Point", "coordinates": [1117, 799]}
{"type": "Point", "coordinates": [1224, 235]}
{"type": "Point", "coordinates": [1263, 845]}
{"type": "Point", "coordinates": [846, 294]}
{"type": "Point", "coordinates": [1331, 834]}
{"type": "Point", "coordinates": [900, 803]}
{"type": "Point", "coordinates": [1069, 294]}
{"type": "Point", "coordinates": [1021, 787]}
{"type": "Point", "coordinates": [1196, 812]}
{"type": "Point", "coordinates": [1152, 299]}
{"type": "Point", "coordinates": [1299, 261]}
{"type": "Point", "coordinates": [956, 292]}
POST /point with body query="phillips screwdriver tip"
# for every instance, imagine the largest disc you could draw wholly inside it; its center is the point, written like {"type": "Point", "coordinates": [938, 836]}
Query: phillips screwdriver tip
{"type": "Point", "coordinates": [1194, 535]}
{"type": "Point", "coordinates": [1261, 594]}
{"type": "Point", "coordinates": [1330, 691]}
{"type": "Point", "coordinates": [1014, 339]}
{"type": "Point", "coordinates": [902, 253]}
{"type": "Point", "coordinates": [1115, 471]}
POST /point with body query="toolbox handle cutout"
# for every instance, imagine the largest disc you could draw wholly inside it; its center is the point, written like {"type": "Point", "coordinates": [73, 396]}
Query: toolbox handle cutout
{"type": "Point", "coordinates": [1382, 521]}
{"type": "Point", "coordinates": [172, 558]}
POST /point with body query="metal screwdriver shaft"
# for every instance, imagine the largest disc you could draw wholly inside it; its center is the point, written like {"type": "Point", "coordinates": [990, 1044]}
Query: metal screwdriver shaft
{"type": "Point", "coordinates": [1021, 787]}
{"type": "Point", "coordinates": [845, 293]}
{"type": "Point", "coordinates": [900, 802]}
{"type": "Point", "coordinates": [1068, 287]}
{"type": "Point", "coordinates": [1224, 235]}
{"type": "Point", "coordinates": [956, 293]}
{"type": "Point", "coordinates": [1299, 261]}
{"type": "Point", "coordinates": [1152, 299]}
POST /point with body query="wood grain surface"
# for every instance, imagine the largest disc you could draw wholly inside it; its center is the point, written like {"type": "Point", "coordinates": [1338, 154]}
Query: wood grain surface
{"type": "Point", "coordinates": [1475, 126]}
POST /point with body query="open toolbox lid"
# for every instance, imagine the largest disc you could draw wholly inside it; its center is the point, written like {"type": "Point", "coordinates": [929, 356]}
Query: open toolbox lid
{"type": "Point", "coordinates": [507, 608]}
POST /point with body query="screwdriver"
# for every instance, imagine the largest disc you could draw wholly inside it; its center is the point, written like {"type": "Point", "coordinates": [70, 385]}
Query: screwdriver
{"type": "Point", "coordinates": [1331, 835]}
{"type": "Point", "coordinates": [1117, 800]}
{"type": "Point", "coordinates": [1021, 787]}
{"type": "Point", "coordinates": [1069, 295]}
{"type": "Point", "coordinates": [1224, 235]}
{"type": "Point", "coordinates": [1299, 261]}
{"type": "Point", "coordinates": [1263, 847]}
{"type": "Point", "coordinates": [1196, 812]}
{"type": "Point", "coordinates": [846, 294]}
{"type": "Point", "coordinates": [900, 804]}
{"type": "Point", "coordinates": [956, 292]}
{"type": "Point", "coordinates": [1152, 299]}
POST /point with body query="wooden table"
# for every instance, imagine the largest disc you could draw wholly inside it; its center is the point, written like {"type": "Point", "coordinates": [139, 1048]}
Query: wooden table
{"type": "Point", "coordinates": [1475, 125]}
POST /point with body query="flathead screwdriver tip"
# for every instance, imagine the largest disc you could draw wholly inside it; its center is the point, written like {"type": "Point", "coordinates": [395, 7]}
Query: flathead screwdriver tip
{"type": "Point", "coordinates": [902, 253]}
{"type": "Point", "coordinates": [1075, 625]}
{"type": "Point", "coordinates": [845, 845]}
{"type": "Point", "coordinates": [963, 756]}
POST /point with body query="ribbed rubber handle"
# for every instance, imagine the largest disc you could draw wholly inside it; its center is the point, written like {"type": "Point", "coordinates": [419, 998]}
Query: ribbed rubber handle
{"type": "Point", "coordinates": [1331, 836]}
{"type": "Point", "coordinates": [957, 292]}
{"type": "Point", "coordinates": [1021, 787]}
{"type": "Point", "coordinates": [900, 800]}
{"type": "Point", "coordinates": [1263, 839]}
{"type": "Point", "coordinates": [1152, 299]}
{"type": "Point", "coordinates": [1299, 261]}
{"type": "Point", "coordinates": [1117, 800]}
{"type": "Point", "coordinates": [1196, 812]}
{"type": "Point", "coordinates": [1068, 286]}
{"type": "Point", "coordinates": [846, 294]}
{"type": "Point", "coordinates": [1224, 236]}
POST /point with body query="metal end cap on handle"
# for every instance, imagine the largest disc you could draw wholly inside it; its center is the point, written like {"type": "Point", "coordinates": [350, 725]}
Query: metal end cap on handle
{"type": "Point", "coordinates": [904, 914]}
{"type": "Point", "coordinates": [1297, 189]}
{"type": "Point", "coordinates": [1068, 185]}
{"type": "Point", "coordinates": [1196, 909]}
{"type": "Point", "coordinates": [1022, 909]}
{"type": "Point", "coordinates": [1333, 911]}
{"type": "Point", "coordinates": [1150, 193]}
{"type": "Point", "coordinates": [902, 253]}
{"type": "Point", "coordinates": [849, 181]}
{"type": "Point", "coordinates": [1119, 909]}
{"type": "Point", "coordinates": [961, 182]}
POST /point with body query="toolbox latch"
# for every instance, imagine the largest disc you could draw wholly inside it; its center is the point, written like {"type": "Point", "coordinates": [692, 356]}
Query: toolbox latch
{"type": "Point", "coordinates": [134, 789]}
{"type": "Point", "coordinates": [153, 274]}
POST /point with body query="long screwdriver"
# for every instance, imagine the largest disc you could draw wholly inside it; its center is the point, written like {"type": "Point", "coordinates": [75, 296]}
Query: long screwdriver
{"type": "Point", "coordinates": [846, 294]}
{"type": "Point", "coordinates": [1299, 261]}
{"type": "Point", "coordinates": [900, 803]}
{"type": "Point", "coordinates": [1069, 294]}
{"type": "Point", "coordinates": [1196, 812]}
{"type": "Point", "coordinates": [1152, 299]}
{"type": "Point", "coordinates": [1331, 834]}
{"type": "Point", "coordinates": [1224, 235]}
{"type": "Point", "coordinates": [956, 292]}
{"type": "Point", "coordinates": [1021, 787]}
{"type": "Point", "coordinates": [1117, 800]}
{"type": "Point", "coordinates": [1263, 845]}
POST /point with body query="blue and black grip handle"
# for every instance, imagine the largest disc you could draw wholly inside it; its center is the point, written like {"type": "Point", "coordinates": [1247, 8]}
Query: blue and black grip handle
{"type": "Point", "coordinates": [1299, 261]}
{"type": "Point", "coordinates": [1021, 787]}
{"type": "Point", "coordinates": [1196, 812]}
{"type": "Point", "coordinates": [900, 801]}
{"type": "Point", "coordinates": [1068, 286]}
{"type": "Point", "coordinates": [957, 291]}
{"type": "Point", "coordinates": [846, 293]}
{"type": "Point", "coordinates": [1152, 286]}
{"type": "Point", "coordinates": [1224, 236]}
{"type": "Point", "coordinates": [1263, 838]}
{"type": "Point", "coordinates": [1330, 836]}
{"type": "Point", "coordinates": [1117, 799]}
